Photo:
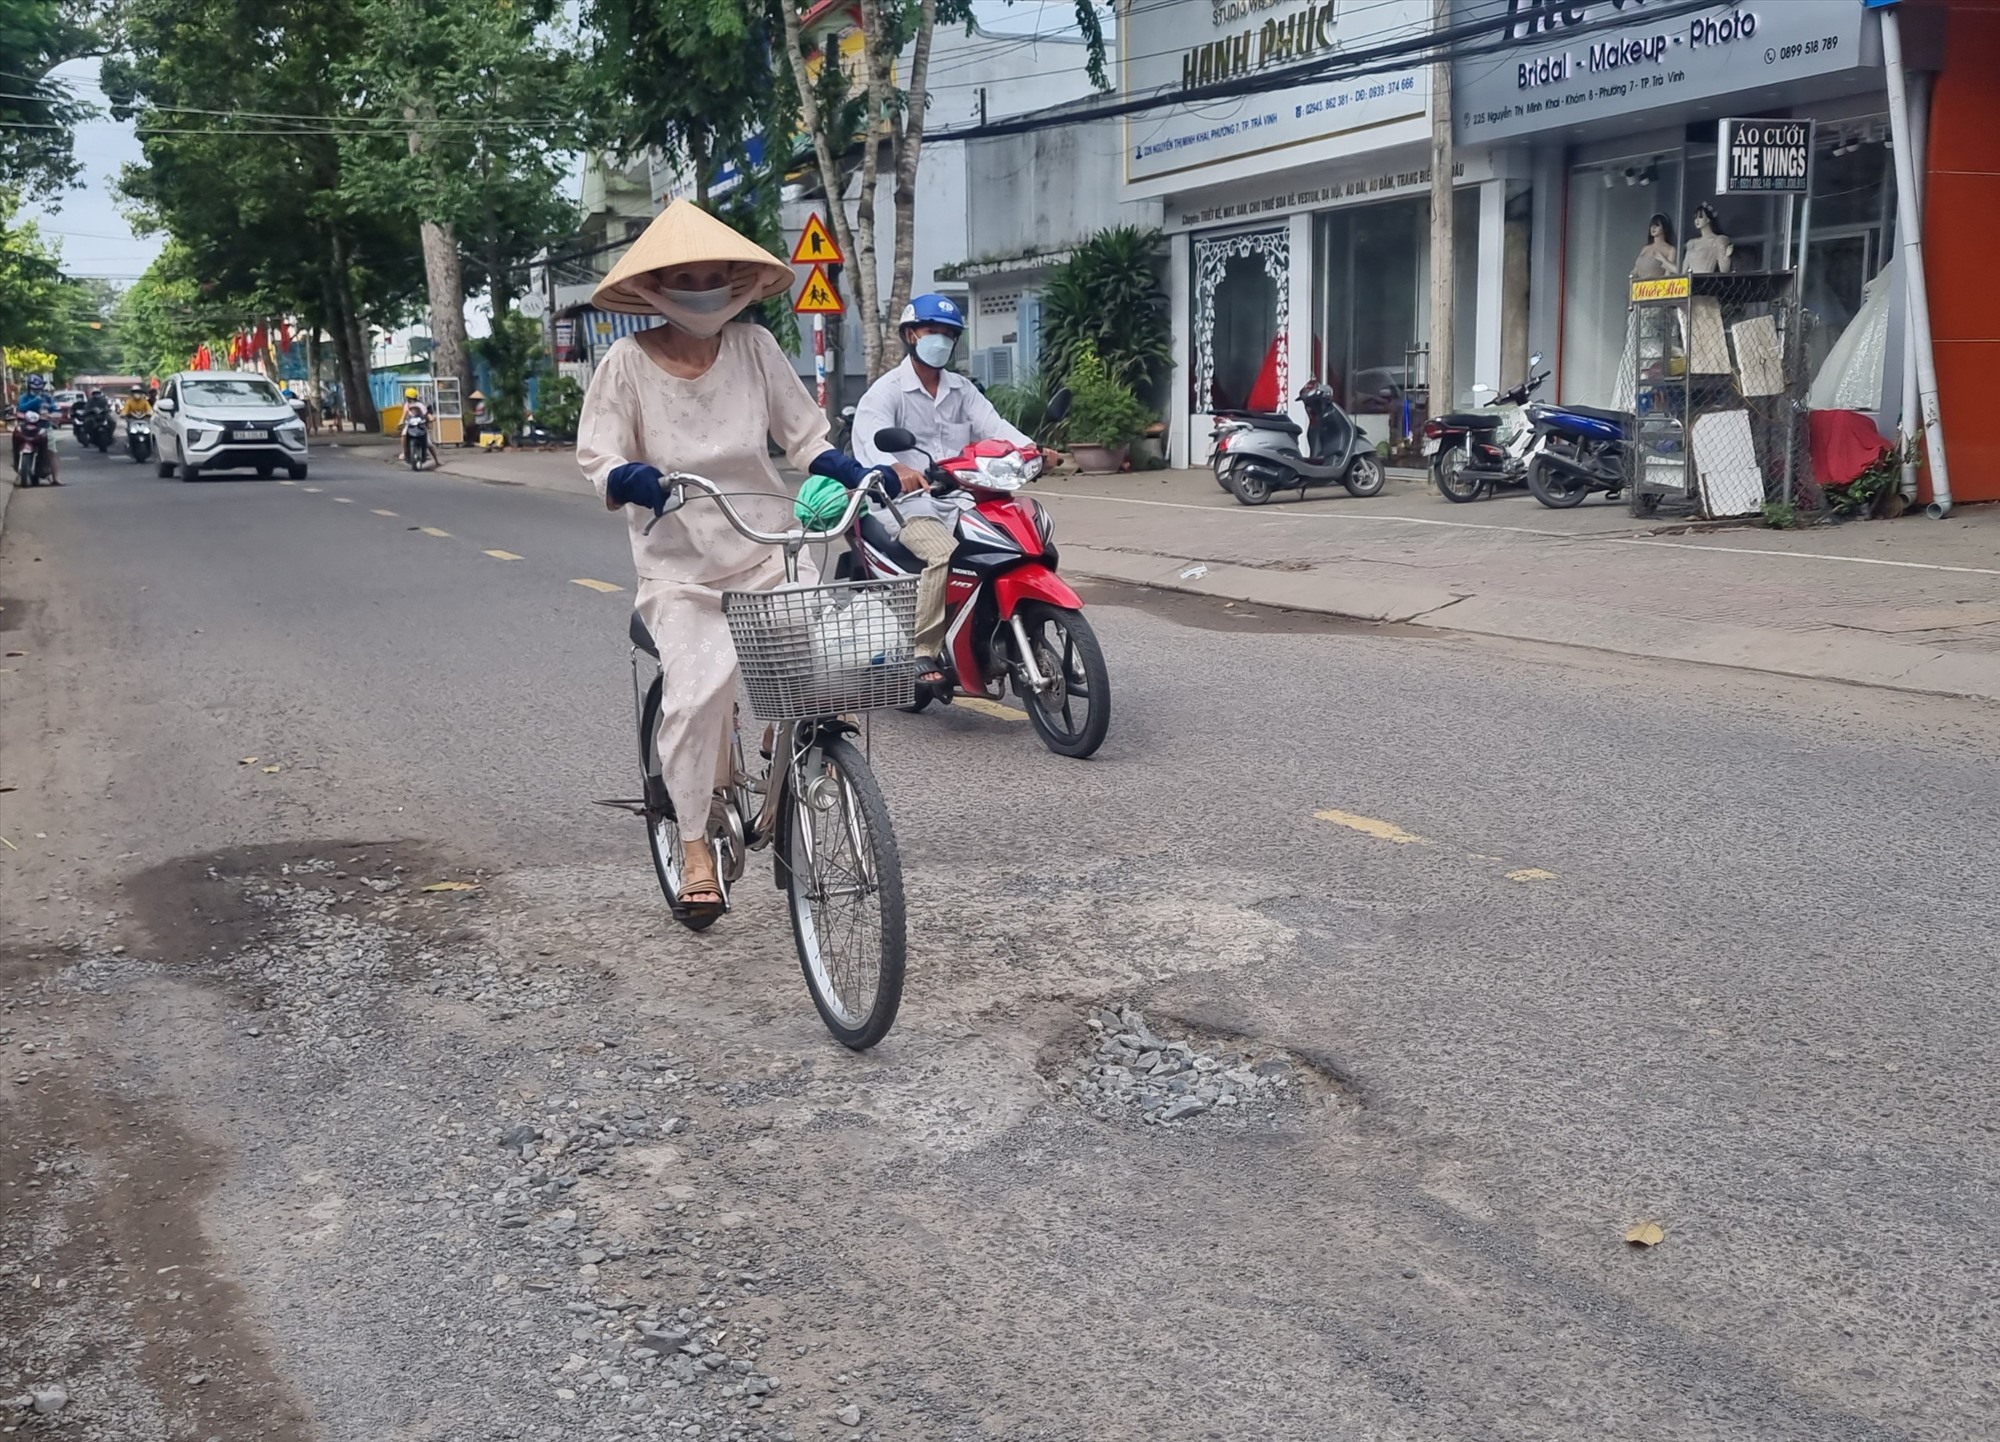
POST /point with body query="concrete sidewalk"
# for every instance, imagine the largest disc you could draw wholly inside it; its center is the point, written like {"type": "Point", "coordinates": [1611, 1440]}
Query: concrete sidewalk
{"type": "Point", "coordinates": [1912, 604]}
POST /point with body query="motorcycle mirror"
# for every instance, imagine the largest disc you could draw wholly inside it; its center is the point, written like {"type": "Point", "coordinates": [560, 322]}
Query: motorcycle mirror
{"type": "Point", "coordinates": [894, 438]}
{"type": "Point", "coordinates": [1534, 360]}
{"type": "Point", "coordinates": [1480, 388]}
{"type": "Point", "coordinates": [1058, 406]}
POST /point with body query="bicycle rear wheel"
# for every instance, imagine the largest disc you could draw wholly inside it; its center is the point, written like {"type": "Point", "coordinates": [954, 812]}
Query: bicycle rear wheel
{"type": "Point", "coordinates": [845, 883]}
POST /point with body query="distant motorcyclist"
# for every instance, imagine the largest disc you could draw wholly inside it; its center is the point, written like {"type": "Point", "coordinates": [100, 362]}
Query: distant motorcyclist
{"type": "Point", "coordinates": [36, 397]}
{"type": "Point", "coordinates": [416, 419]}
{"type": "Point", "coordinates": [138, 404]}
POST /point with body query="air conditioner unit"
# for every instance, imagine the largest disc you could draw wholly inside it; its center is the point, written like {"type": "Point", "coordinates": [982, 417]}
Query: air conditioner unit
{"type": "Point", "coordinates": [993, 366]}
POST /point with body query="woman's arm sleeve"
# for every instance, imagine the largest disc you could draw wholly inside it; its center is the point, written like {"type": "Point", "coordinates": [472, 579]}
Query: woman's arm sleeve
{"type": "Point", "coordinates": [796, 423]}
{"type": "Point", "coordinates": [607, 433]}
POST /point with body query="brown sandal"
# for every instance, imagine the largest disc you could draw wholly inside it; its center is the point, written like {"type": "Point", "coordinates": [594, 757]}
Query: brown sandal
{"type": "Point", "coordinates": [701, 895]}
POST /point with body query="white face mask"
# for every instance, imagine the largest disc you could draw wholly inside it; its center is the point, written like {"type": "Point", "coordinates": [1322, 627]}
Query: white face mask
{"type": "Point", "coordinates": [698, 312]}
{"type": "Point", "coordinates": [935, 350]}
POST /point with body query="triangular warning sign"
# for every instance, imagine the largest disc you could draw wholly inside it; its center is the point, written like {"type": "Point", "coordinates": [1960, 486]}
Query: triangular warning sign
{"type": "Point", "coordinates": [816, 244]}
{"type": "Point", "coordinates": [818, 297]}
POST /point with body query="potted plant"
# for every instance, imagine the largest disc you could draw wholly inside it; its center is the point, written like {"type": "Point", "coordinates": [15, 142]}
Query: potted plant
{"type": "Point", "coordinates": [1105, 418]}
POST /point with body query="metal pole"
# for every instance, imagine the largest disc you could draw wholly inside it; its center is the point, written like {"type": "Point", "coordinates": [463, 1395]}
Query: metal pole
{"type": "Point", "coordinates": [1910, 236]}
{"type": "Point", "coordinates": [1906, 423]}
{"type": "Point", "coordinates": [819, 359]}
{"type": "Point", "coordinates": [1443, 389]}
{"type": "Point", "coordinates": [1796, 345]}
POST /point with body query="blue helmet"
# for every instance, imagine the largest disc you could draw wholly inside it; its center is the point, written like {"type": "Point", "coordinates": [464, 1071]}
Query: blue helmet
{"type": "Point", "coordinates": [933, 309]}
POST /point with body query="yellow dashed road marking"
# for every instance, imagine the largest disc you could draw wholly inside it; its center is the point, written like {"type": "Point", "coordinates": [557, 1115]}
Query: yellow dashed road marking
{"type": "Point", "coordinates": [1370, 826]}
{"type": "Point", "coordinates": [288, 483]}
{"type": "Point", "coordinates": [385, 513]}
{"type": "Point", "coordinates": [590, 585]}
{"type": "Point", "coordinates": [434, 531]}
{"type": "Point", "coordinates": [311, 490]}
{"type": "Point", "coordinates": [989, 708]}
{"type": "Point", "coordinates": [342, 501]}
{"type": "Point", "coordinates": [503, 555]}
{"type": "Point", "coordinates": [1531, 873]}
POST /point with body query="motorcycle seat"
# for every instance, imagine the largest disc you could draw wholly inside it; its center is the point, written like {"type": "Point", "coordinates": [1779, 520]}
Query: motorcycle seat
{"type": "Point", "coordinates": [643, 638]}
{"type": "Point", "coordinates": [1598, 413]}
{"type": "Point", "coordinates": [1265, 420]}
{"type": "Point", "coordinates": [1470, 421]}
{"type": "Point", "coordinates": [879, 540]}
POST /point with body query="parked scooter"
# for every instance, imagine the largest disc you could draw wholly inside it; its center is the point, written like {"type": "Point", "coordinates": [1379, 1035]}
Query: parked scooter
{"type": "Point", "coordinates": [1582, 450]}
{"type": "Point", "coordinates": [1471, 452]}
{"type": "Point", "coordinates": [1264, 456]}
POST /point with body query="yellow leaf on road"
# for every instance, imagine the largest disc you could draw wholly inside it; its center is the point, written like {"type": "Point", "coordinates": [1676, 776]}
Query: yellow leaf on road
{"type": "Point", "coordinates": [1531, 873]}
{"type": "Point", "coordinates": [269, 770]}
{"type": "Point", "coordinates": [248, 761]}
{"type": "Point", "coordinates": [1646, 1234]}
{"type": "Point", "coordinates": [451, 886]}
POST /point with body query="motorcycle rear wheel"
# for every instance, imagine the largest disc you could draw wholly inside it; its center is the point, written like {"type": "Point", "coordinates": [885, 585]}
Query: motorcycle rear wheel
{"type": "Point", "coordinates": [1558, 493]}
{"type": "Point", "coordinates": [1251, 489]}
{"type": "Point", "coordinates": [1075, 655]}
{"type": "Point", "coordinates": [844, 882]}
{"type": "Point", "coordinates": [1454, 477]}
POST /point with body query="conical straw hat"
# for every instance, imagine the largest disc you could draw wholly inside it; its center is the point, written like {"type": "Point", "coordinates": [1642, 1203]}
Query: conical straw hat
{"type": "Point", "coordinates": [685, 234]}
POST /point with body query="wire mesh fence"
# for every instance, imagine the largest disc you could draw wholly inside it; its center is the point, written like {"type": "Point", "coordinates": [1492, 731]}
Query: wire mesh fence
{"type": "Point", "coordinates": [1716, 387]}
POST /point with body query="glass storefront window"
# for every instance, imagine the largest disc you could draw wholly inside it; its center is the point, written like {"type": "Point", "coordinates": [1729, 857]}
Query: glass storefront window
{"type": "Point", "coordinates": [1610, 205]}
{"type": "Point", "coordinates": [1371, 287]}
{"type": "Point", "coordinates": [1241, 307]}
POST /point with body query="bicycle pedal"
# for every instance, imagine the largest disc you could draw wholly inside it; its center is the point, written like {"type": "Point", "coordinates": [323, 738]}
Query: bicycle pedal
{"type": "Point", "coordinates": [637, 807]}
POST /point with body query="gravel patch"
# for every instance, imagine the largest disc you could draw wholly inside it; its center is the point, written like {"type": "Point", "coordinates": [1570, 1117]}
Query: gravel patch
{"type": "Point", "coordinates": [1133, 1071]}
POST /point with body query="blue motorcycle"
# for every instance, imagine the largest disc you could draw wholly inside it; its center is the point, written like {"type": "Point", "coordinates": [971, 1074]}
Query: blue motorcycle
{"type": "Point", "coordinates": [1580, 449]}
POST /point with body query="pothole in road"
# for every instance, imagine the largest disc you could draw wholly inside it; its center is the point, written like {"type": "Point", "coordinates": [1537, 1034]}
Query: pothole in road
{"type": "Point", "coordinates": [1130, 1070]}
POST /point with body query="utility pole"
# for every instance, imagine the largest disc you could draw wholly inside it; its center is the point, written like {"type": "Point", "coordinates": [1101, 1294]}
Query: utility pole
{"type": "Point", "coordinates": [1443, 386]}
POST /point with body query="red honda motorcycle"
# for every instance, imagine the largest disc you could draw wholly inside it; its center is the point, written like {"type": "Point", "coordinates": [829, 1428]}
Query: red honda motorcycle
{"type": "Point", "coordinates": [32, 463]}
{"type": "Point", "coordinates": [1008, 616]}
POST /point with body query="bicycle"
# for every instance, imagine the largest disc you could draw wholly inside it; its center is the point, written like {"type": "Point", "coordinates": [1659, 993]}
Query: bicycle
{"type": "Point", "coordinates": [812, 658]}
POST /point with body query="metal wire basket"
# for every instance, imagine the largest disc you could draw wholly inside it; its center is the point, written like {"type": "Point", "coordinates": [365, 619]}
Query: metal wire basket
{"type": "Point", "coordinates": [826, 650]}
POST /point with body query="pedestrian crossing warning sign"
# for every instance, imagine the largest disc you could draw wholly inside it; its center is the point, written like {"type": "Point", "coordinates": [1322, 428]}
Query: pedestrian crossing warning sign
{"type": "Point", "coordinates": [816, 244]}
{"type": "Point", "coordinates": [818, 297]}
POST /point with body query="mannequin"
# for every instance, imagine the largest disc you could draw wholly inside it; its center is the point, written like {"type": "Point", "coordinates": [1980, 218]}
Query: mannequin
{"type": "Point", "coordinates": [1659, 258]}
{"type": "Point", "coordinates": [1710, 251]}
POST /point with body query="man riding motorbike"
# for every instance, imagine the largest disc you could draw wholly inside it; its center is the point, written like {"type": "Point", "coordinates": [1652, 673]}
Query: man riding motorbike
{"type": "Point", "coordinates": [94, 422]}
{"type": "Point", "coordinates": [36, 397]}
{"type": "Point", "coordinates": [946, 413]}
{"type": "Point", "coordinates": [138, 403]}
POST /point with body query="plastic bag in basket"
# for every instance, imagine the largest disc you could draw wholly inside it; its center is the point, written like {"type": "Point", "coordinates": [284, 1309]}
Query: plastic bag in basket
{"type": "Point", "coordinates": [865, 632]}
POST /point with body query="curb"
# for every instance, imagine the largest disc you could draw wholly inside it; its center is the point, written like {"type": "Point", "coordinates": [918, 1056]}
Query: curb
{"type": "Point", "coordinates": [1807, 655]}
{"type": "Point", "coordinates": [6, 495]}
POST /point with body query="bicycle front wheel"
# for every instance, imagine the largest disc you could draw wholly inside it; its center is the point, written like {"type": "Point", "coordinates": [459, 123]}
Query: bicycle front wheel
{"type": "Point", "coordinates": [846, 887]}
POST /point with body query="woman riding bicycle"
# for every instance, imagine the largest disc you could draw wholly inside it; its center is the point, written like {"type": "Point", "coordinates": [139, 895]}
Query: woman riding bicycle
{"type": "Point", "coordinates": [698, 394]}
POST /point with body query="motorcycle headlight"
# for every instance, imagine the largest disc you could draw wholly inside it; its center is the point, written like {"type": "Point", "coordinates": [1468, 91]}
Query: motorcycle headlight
{"type": "Point", "coordinates": [1005, 469]}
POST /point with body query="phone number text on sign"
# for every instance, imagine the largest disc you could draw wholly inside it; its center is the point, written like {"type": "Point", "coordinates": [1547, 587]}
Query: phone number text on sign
{"type": "Point", "coordinates": [1359, 95]}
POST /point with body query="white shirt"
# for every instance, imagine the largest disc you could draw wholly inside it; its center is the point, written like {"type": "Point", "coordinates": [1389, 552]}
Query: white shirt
{"type": "Point", "coordinates": [943, 425]}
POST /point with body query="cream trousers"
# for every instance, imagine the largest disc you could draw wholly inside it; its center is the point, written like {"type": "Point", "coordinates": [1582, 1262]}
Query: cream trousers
{"type": "Point", "coordinates": [698, 694]}
{"type": "Point", "coordinates": [931, 542]}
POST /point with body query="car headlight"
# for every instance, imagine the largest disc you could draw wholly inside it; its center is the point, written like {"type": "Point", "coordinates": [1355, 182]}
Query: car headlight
{"type": "Point", "coordinates": [194, 435]}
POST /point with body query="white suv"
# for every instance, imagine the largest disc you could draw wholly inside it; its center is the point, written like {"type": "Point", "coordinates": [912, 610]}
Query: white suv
{"type": "Point", "coordinates": [226, 420]}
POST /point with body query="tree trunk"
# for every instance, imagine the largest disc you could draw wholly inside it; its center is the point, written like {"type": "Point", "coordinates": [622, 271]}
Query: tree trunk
{"type": "Point", "coordinates": [350, 350]}
{"type": "Point", "coordinates": [445, 276]}
{"type": "Point", "coordinates": [908, 150]}
{"type": "Point", "coordinates": [878, 57]}
{"type": "Point", "coordinates": [832, 181]}
{"type": "Point", "coordinates": [499, 294]}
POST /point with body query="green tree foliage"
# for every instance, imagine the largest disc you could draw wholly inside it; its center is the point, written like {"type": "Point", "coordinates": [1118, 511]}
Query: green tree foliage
{"type": "Point", "coordinates": [1102, 412]}
{"type": "Point", "coordinates": [163, 316]}
{"type": "Point", "coordinates": [44, 309]}
{"type": "Point", "coordinates": [512, 352]}
{"type": "Point", "coordinates": [38, 114]}
{"type": "Point", "coordinates": [1107, 298]}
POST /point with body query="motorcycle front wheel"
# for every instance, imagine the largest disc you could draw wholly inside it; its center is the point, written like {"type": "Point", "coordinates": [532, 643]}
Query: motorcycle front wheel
{"type": "Point", "coordinates": [844, 881]}
{"type": "Point", "coordinates": [1074, 713]}
{"type": "Point", "coordinates": [1557, 492]}
{"type": "Point", "coordinates": [1365, 476]}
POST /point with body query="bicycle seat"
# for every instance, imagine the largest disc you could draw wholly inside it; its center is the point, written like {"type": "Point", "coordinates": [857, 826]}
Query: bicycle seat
{"type": "Point", "coordinates": [1470, 421]}
{"type": "Point", "coordinates": [642, 638]}
{"type": "Point", "coordinates": [883, 544]}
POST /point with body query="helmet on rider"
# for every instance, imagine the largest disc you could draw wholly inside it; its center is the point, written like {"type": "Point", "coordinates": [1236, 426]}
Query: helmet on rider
{"type": "Point", "coordinates": [409, 393]}
{"type": "Point", "coordinates": [930, 327]}
{"type": "Point", "coordinates": [138, 390]}
{"type": "Point", "coordinates": [38, 382]}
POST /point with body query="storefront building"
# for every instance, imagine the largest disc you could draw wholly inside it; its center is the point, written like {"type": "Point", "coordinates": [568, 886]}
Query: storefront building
{"type": "Point", "coordinates": [1614, 132]}
{"type": "Point", "coordinates": [1299, 219]}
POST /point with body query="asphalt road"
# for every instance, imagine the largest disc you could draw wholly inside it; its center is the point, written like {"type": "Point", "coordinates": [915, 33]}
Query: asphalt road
{"type": "Point", "coordinates": [1570, 943]}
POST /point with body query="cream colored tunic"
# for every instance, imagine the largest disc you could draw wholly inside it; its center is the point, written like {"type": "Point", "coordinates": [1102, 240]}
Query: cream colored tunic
{"type": "Point", "coordinates": [714, 426]}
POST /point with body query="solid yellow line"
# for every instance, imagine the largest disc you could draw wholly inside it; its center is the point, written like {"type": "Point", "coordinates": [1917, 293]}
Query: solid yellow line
{"type": "Point", "coordinates": [434, 531]}
{"type": "Point", "coordinates": [588, 584]}
{"type": "Point", "coordinates": [1370, 826]}
{"type": "Point", "coordinates": [385, 513]}
{"type": "Point", "coordinates": [989, 708]}
{"type": "Point", "coordinates": [503, 555]}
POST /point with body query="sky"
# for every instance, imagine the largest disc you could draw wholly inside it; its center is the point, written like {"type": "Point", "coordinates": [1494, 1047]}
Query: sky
{"type": "Point", "coordinates": [98, 241]}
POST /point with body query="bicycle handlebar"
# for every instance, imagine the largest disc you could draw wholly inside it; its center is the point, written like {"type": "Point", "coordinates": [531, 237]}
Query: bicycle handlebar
{"type": "Point", "coordinates": [677, 482]}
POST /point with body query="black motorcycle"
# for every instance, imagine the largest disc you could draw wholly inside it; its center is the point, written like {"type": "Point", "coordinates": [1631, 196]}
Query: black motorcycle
{"type": "Point", "coordinates": [417, 443]}
{"type": "Point", "coordinates": [93, 427]}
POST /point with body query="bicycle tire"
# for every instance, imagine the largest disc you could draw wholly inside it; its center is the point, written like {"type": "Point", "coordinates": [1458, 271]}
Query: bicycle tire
{"type": "Point", "coordinates": [839, 779]}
